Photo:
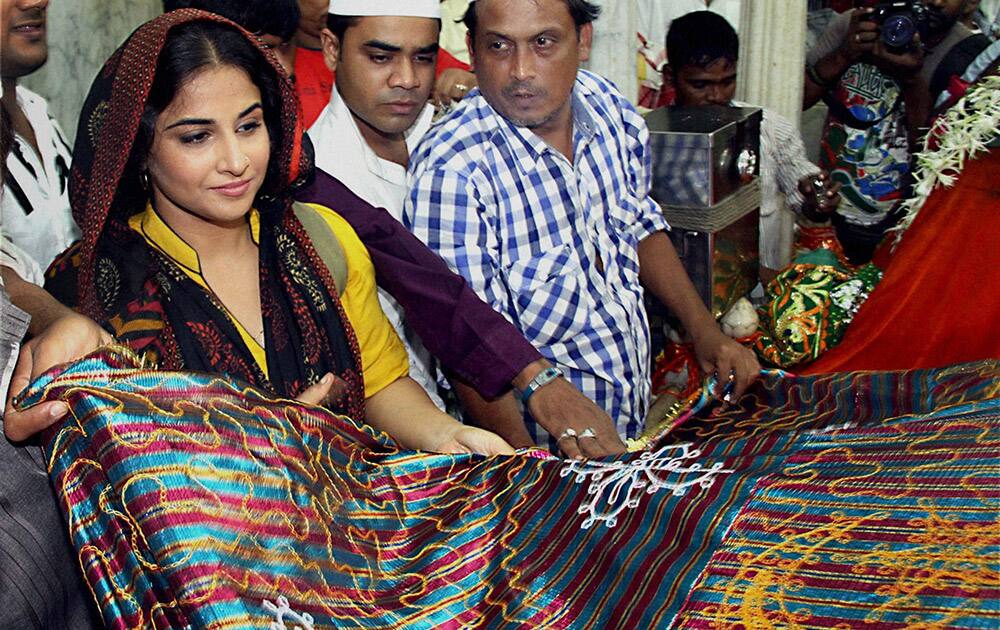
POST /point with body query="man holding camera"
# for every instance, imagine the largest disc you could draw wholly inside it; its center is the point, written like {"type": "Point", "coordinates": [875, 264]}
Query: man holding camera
{"type": "Point", "coordinates": [878, 69]}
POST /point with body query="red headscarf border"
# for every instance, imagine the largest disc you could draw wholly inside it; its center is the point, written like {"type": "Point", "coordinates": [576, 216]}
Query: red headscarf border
{"type": "Point", "coordinates": [109, 123]}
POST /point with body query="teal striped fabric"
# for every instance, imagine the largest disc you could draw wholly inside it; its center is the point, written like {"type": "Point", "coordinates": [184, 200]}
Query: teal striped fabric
{"type": "Point", "coordinates": [195, 501]}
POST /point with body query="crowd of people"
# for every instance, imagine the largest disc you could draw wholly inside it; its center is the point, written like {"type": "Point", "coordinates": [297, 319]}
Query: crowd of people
{"type": "Point", "coordinates": [321, 200]}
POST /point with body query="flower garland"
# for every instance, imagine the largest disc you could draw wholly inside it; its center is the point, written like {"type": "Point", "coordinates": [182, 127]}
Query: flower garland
{"type": "Point", "coordinates": [965, 130]}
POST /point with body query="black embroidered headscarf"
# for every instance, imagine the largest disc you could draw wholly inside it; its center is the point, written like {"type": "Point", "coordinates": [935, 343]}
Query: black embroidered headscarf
{"type": "Point", "coordinates": [149, 303]}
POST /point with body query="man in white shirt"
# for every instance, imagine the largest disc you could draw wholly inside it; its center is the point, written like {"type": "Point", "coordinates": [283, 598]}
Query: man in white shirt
{"type": "Point", "coordinates": [40, 582]}
{"type": "Point", "coordinates": [702, 49]}
{"type": "Point", "coordinates": [35, 208]}
{"type": "Point", "coordinates": [383, 54]}
{"type": "Point", "coordinates": [35, 219]}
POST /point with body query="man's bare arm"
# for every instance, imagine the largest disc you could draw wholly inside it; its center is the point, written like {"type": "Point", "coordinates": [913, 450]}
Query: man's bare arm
{"type": "Point", "coordinates": [60, 335]}
{"type": "Point", "coordinates": [557, 406]}
{"type": "Point", "coordinates": [662, 273]}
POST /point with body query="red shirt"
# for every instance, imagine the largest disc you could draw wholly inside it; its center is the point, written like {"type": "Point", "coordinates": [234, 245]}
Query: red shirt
{"type": "Point", "coordinates": [447, 60]}
{"type": "Point", "coordinates": [313, 82]}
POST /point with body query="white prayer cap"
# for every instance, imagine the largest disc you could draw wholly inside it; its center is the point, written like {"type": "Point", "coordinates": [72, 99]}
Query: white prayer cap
{"type": "Point", "coordinates": [400, 8]}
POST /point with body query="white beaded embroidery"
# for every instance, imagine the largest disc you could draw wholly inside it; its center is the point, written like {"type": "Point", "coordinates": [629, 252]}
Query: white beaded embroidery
{"type": "Point", "coordinates": [619, 485]}
{"type": "Point", "coordinates": [283, 614]}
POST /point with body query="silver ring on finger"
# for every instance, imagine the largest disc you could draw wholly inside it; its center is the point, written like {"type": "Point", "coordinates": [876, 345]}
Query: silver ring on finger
{"type": "Point", "coordinates": [587, 433]}
{"type": "Point", "coordinates": [568, 433]}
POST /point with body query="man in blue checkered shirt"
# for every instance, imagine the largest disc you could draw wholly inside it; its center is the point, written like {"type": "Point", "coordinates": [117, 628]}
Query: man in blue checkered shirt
{"type": "Point", "coordinates": [536, 189]}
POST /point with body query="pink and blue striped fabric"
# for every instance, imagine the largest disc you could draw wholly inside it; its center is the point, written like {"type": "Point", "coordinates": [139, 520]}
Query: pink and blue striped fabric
{"type": "Point", "coordinates": [851, 499]}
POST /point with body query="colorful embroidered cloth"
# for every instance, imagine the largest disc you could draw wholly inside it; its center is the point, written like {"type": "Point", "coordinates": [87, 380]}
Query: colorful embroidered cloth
{"type": "Point", "coordinates": [809, 305]}
{"type": "Point", "coordinates": [897, 525]}
{"type": "Point", "coordinates": [193, 501]}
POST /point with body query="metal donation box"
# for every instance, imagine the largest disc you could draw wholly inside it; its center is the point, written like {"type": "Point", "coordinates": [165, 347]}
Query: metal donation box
{"type": "Point", "coordinates": [705, 165]}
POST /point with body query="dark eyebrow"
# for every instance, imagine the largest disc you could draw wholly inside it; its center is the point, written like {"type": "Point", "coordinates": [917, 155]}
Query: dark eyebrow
{"type": "Point", "coordinates": [548, 32]}
{"type": "Point", "coordinates": [496, 34]}
{"type": "Point", "coordinates": [387, 47]}
{"type": "Point", "coordinates": [247, 111]}
{"type": "Point", "coordinates": [209, 121]}
{"type": "Point", "coordinates": [190, 121]}
{"type": "Point", "coordinates": [380, 45]}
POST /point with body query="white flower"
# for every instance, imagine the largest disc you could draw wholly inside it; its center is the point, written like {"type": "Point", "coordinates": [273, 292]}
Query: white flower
{"type": "Point", "coordinates": [963, 131]}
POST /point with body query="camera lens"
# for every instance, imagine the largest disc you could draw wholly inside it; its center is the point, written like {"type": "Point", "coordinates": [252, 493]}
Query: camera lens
{"type": "Point", "coordinates": [898, 31]}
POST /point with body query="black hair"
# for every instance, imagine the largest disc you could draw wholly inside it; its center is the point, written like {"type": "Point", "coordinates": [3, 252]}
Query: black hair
{"type": "Point", "coordinates": [338, 24]}
{"type": "Point", "coordinates": [581, 11]}
{"type": "Point", "coordinates": [699, 38]}
{"type": "Point", "coordinates": [271, 17]}
{"type": "Point", "coordinates": [189, 48]}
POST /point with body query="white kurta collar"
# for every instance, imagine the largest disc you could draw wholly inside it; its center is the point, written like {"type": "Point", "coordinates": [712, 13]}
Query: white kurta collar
{"type": "Point", "coordinates": [341, 150]}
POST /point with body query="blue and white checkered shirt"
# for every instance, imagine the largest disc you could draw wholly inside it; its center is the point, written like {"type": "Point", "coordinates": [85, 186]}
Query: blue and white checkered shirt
{"type": "Point", "coordinates": [531, 231]}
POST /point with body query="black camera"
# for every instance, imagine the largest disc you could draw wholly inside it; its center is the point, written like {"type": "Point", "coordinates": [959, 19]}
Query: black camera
{"type": "Point", "coordinates": [900, 21]}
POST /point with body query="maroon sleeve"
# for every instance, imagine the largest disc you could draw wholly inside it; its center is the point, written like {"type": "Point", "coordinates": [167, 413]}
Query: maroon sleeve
{"type": "Point", "coordinates": [466, 335]}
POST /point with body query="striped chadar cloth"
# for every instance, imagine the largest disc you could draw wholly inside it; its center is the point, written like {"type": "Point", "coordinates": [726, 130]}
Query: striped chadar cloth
{"type": "Point", "coordinates": [891, 527]}
{"type": "Point", "coordinates": [851, 499]}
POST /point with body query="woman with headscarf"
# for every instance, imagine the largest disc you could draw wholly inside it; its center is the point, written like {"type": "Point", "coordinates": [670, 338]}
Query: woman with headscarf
{"type": "Point", "coordinates": [193, 253]}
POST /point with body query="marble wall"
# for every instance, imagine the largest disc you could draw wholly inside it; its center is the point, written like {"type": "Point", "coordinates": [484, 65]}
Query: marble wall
{"type": "Point", "coordinates": [82, 35]}
{"type": "Point", "coordinates": [772, 57]}
{"type": "Point", "coordinates": [613, 54]}
{"type": "Point", "coordinates": [615, 41]}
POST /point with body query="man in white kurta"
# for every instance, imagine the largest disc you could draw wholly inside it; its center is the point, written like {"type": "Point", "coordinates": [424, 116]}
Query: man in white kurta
{"type": "Point", "coordinates": [343, 150]}
{"type": "Point", "coordinates": [34, 208]}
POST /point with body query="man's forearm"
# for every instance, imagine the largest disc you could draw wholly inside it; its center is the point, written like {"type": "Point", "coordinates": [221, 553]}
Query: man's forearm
{"type": "Point", "coordinates": [917, 98]}
{"type": "Point", "coordinates": [464, 333]}
{"type": "Point", "coordinates": [529, 372]}
{"type": "Point", "coordinates": [825, 72]}
{"type": "Point", "coordinates": [502, 416]}
{"type": "Point", "coordinates": [34, 300]}
{"type": "Point", "coordinates": [661, 272]}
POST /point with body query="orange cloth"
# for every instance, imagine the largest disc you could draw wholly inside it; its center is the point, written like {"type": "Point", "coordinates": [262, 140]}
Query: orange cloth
{"type": "Point", "coordinates": [939, 300]}
{"type": "Point", "coordinates": [313, 82]}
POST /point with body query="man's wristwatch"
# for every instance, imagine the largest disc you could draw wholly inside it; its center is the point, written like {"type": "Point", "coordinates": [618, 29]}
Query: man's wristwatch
{"type": "Point", "coordinates": [544, 377]}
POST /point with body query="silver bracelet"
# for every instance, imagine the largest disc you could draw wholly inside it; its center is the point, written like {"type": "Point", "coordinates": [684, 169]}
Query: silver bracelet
{"type": "Point", "coordinates": [544, 377]}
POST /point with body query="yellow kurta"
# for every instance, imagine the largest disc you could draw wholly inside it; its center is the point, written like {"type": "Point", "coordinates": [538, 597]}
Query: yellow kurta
{"type": "Point", "coordinates": [383, 357]}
